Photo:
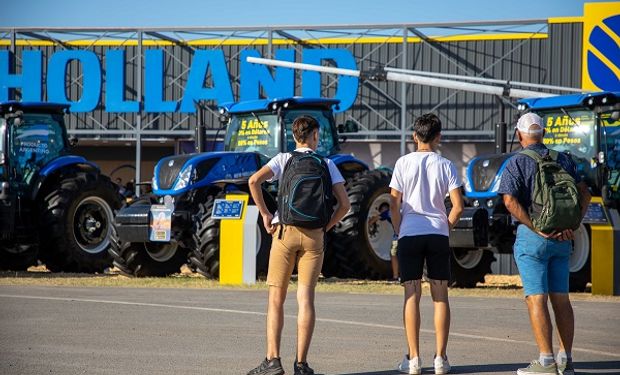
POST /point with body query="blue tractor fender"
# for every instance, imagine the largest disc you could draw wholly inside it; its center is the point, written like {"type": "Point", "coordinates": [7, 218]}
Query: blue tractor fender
{"type": "Point", "coordinates": [202, 170]}
{"type": "Point", "coordinates": [348, 164]}
{"type": "Point", "coordinates": [59, 164]}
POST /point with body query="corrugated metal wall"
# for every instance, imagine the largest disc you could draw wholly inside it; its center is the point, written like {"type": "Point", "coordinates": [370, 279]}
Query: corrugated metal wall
{"type": "Point", "coordinates": [553, 60]}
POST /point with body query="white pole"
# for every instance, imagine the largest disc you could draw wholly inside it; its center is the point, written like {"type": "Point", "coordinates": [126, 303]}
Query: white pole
{"type": "Point", "coordinates": [408, 78]}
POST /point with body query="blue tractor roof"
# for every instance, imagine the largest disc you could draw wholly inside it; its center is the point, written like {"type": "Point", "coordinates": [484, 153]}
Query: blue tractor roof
{"type": "Point", "coordinates": [12, 106]}
{"type": "Point", "coordinates": [266, 104]}
{"type": "Point", "coordinates": [573, 100]}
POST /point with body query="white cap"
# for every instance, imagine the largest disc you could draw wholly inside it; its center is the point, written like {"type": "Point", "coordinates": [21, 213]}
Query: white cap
{"type": "Point", "coordinates": [527, 121]}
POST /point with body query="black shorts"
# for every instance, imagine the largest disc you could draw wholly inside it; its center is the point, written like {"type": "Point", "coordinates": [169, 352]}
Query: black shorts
{"type": "Point", "coordinates": [414, 250]}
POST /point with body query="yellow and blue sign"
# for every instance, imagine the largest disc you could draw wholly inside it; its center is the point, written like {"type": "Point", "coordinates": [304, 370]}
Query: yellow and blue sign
{"type": "Point", "coordinates": [601, 47]}
{"type": "Point", "coordinates": [238, 239]}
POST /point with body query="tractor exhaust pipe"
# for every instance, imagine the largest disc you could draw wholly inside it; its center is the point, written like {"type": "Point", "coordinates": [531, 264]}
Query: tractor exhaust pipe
{"type": "Point", "coordinates": [199, 131]}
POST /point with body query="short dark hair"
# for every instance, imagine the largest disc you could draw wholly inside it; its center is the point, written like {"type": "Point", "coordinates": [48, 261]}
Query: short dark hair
{"type": "Point", "coordinates": [427, 127]}
{"type": "Point", "coordinates": [303, 126]}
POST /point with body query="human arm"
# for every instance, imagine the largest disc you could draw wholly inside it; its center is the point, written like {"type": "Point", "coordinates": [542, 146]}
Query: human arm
{"type": "Point", "coordinates": [255, 182]}
{"type": "Point", "coordinates": [343, 205]}
{"type": "Point", "coordinates": [457, 207]}
{"type": "Point", "coordinates": [395, 202]}
{"type": "Point", "coordinates": [516, 209]}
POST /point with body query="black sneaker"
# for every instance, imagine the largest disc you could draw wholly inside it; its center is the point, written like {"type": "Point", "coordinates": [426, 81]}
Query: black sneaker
{"type": "Point", "coordinates": [302, 368]}
{"type": "Point", "coordinates": [268, 367]}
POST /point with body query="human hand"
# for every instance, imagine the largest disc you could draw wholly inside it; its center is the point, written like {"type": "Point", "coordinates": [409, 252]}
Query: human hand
{"type": "Point", "coordinates": [267, 223]}
{"type": "Point", "coordinates": [565, 235]}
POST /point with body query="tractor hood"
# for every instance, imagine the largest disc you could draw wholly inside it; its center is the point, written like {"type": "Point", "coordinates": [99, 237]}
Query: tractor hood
{"type": "Point", "coordinates": [175, 175]}
{"type": "Point", "coordinates": [484, 174]}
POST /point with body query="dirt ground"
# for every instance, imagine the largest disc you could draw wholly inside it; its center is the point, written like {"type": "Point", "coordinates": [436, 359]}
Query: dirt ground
{"type": "Point", "coordinates": [503, 286]}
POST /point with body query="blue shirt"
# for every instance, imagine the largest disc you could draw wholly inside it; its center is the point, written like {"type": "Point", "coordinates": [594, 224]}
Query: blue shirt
{"type": "Point", "coordinates": [518, 176]}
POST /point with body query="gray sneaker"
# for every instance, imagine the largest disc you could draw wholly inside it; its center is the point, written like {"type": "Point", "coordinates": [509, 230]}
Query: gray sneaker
{"type": "Point", "coordinates": [536, 368]}
{"type": "Point", "coordinates": [566, 368]}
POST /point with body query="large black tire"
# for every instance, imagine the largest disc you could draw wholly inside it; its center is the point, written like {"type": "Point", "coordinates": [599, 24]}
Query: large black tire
{"type": "Point", "coordinates": [138, 259]}
{"type": "Point", "coordinates": [355, 249]}
{"type": "Point", "coordinates": [76, 223]}
{"type": "Point", "coordinates": [205, 255]}
{"type": "Point", "coordinates": [468, 267]}
{"type": "Point", "coordinates": [18, 257]}
{"type": "Point", "coordinates": [580, 260]}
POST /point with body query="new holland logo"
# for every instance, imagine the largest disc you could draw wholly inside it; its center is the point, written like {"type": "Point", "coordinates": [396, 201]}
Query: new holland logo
{"type": "Point", "coordinates": [604, 54]}
{"type": "Point", "coordinates": [601, 47]}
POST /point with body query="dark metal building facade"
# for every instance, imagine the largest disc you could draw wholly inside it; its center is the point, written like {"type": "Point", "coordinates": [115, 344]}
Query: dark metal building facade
{"type": "Point", "coordinates": [529, 51]}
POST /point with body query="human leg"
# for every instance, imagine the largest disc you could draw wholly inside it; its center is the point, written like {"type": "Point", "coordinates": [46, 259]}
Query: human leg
{"type": "Point", "coordinates": [411, 260]}
{"type": "Point", "coordinates": [532, 258]}
{"type": "Point", "coordinates": [281, 264]}
{"type": "Point", "coordinates": [309, 264]}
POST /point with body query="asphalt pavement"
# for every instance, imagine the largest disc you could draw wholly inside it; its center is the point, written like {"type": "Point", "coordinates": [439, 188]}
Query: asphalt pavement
{"type": "Point", "coordinates": [69, 330]}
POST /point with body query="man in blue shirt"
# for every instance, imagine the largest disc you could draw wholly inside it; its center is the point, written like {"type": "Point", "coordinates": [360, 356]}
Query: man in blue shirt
{"type": "Point", "coordinates": [542, 258]}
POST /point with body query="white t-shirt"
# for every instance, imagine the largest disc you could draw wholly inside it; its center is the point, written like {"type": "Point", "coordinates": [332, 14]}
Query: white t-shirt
{"type": "Point", "coordinates": [424, 179]}
{"type": "Point", "coordinates": [278, 162]}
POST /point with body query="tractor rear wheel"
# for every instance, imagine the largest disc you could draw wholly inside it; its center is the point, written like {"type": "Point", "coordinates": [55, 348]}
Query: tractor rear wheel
{"type": "Point", "coordinates": [579, 261]}
{"type": "Point", "coordinates": [357, 248]}
{"type": "Point", "coordinates": [76, 223]}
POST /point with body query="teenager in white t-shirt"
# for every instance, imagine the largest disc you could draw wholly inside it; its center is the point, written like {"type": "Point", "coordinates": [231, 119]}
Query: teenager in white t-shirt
{"type": "Point", "coordinates": [420, 183]}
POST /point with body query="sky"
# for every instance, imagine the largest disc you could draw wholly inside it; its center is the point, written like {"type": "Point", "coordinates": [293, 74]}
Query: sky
{"type": "Point", "coordinates": [187, 13]}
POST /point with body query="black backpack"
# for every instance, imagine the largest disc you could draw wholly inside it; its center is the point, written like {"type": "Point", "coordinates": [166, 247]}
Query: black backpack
{"type": "Point", "coordinates": [305, 197]}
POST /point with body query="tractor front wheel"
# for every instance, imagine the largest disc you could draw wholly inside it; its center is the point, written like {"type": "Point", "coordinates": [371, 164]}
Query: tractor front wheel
{"type": "Point", "coordinates": [76, 223]}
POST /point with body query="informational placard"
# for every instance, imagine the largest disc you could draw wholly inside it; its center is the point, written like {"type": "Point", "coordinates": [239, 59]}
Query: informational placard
{"type": "Point", "coordinates": [227, 209]}
{"type": "Point", "coordinates": [595, 214]}
{"type": "Point", "coordinates": [562, 129]}
{"type": "Point", "coordinates": [161, 223]}
{"type": "Point", "coordinates": [253, 133]}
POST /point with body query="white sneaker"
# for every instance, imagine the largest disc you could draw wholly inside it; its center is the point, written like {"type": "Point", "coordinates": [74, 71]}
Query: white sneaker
{"type": "Point", "coordinates": [410, 366]}
{"type": "Point", "coordinates": [442, 366]}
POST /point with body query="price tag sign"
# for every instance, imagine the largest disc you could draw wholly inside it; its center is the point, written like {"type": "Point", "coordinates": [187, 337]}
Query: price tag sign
{"type": "Point", "coordinates": [161, 223]}
{"type": "Point", "coordinates": [227, 209]}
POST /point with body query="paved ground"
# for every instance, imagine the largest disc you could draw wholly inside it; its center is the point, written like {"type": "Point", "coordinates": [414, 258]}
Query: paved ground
{"type": "Point", "coordinates": [66, 330]}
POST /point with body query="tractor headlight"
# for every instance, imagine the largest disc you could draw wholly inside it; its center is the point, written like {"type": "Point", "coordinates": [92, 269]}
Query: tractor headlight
{"type": "Point", "coordinates": [490, 203]}
{"type": "Point", "coordinates": [476, 203]}
{"type": "Point", "coordinates": [184, 178]}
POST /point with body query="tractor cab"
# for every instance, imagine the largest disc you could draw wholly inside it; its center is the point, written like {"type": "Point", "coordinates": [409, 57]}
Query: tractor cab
{"type": "Point", "coordinates": [585, 127]}
{"type": "Point", "coordinates": [265, 126]}
{"type": "Point", "coordinates": [31, 136]}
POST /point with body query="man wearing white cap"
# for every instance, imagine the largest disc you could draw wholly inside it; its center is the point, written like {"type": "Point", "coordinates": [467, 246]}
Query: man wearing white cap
{"type": "Point", "coordinates": [542, 258]}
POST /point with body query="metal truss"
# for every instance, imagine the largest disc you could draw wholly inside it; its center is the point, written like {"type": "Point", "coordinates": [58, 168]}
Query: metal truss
{"type": "Point", "coordinates": [382, 110]}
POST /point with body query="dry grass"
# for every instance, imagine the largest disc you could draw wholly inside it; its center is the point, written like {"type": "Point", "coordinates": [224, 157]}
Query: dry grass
{"type": "Point", "coordinates": [495, 285]}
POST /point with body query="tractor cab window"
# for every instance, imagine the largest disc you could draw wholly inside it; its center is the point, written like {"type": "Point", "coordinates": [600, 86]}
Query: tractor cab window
{"type": "Point", "coordinates": [572, 131]}
{"type": "Point", "coordinates": [611, 143]}
{"type": "Point", "coordinates": [246, 133]}
{"type": "Point", "coordinates": [35, 140]}
{"type": "Point", "coordinates": [326, 134]}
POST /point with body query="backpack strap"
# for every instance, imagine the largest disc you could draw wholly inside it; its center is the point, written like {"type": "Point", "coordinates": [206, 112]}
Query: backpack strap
{"type": "Point", "coordinates": [532, 154]}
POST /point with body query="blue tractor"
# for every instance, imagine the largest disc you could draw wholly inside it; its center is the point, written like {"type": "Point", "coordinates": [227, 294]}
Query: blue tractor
{"type": "Point", "coordinates": [585, 126]}
{"type": "Point", "coordinates": [188, 185]}
{"type": "Point", "coordinates": [54, 206]}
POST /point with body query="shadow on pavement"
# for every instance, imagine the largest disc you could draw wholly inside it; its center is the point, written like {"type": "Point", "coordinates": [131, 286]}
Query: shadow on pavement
{"type": "Point", "coordinates": [601, 367]}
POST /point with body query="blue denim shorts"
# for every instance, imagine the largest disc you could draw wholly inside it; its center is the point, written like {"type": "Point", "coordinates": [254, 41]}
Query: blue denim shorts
{"type": "Point", "coordinates": [542, 263]}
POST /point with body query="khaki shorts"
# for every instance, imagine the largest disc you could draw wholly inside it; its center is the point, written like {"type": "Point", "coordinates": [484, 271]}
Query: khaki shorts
{"type": "Point", "coordinates": [295, 246]}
